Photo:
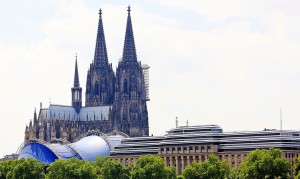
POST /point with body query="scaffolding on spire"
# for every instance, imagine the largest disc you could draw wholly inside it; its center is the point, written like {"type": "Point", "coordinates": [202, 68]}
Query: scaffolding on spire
{"type": "Point", "coordinates": [145, 68]}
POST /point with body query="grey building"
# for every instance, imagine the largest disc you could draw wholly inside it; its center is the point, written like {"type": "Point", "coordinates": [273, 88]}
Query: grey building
{"type": "Point", "coordinates": [183, 145]}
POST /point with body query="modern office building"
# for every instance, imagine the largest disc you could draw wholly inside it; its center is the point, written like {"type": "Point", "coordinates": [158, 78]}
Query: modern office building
{"type": "Point", "coordinates": [183, 145]}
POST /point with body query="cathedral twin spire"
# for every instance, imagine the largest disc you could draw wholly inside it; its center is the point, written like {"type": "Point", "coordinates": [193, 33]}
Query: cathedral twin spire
{"type": "Point", "coordinates": [100, 57]}
{"type": "Point", "coordinates": [100, 86]}
{"type": "Point", "coordinates": [129, 51]}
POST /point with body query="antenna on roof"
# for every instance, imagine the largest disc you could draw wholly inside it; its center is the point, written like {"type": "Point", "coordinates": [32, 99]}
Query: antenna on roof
{"type": "Point", "coordinates": [49, 100]}
{"type": "Point", "coordinates": [280, 119]}
{"type": "Point", "coordinates": [176, 122]}
{"type": "Point", "coordinates": [187, 123]}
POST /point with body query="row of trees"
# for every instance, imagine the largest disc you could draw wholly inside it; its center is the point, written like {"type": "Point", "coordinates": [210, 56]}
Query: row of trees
{"type": "Point", "coordinates": [259, 164]}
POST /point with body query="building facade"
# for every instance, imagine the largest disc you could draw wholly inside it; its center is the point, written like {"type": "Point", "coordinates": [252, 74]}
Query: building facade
{"type": "Point", "coordinates": [114, 102]}
{"type": "Point", "coordinates": [183, 145]}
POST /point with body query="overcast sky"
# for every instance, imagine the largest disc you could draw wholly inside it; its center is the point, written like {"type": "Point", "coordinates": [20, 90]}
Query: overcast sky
{"type": "Point", "coordinates": [232, 63]}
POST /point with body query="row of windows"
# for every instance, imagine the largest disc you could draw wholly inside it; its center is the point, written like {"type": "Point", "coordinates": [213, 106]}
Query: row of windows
{"type": "Point", "coordinates": [186, 160]}
{"type": "Point", "coordinates": [291, 155]}
{"type": "Point", "coordinates": [232, 157]}
{"type": "Point", "coordinates": [190, 149]}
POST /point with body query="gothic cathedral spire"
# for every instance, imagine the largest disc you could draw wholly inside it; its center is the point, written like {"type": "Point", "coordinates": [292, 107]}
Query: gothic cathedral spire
{"type": "Point", "coordinates": [100, 78]}
{"type": "Point", "coordinates": [129, 51]}
{"type": "Point", "coordinates": [76, 76]}
{"type": "Point", "coordinates": [100, 57]}
{"type": "Point", "coordinates": [76, 90]}
{"type": "Point", "coordinates": [131, 116]}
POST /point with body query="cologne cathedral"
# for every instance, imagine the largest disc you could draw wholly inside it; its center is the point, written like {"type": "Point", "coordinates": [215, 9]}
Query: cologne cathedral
{"type": "Point", "coordinates": [115, 102]}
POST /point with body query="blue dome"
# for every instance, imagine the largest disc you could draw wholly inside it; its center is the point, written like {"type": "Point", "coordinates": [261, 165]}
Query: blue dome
{"type": "Point", "coordinates": [92, 146]}
{"type": "Point", "coordinates": [86, 149]}
{"type": "Point", "coordinates": [39, 152]}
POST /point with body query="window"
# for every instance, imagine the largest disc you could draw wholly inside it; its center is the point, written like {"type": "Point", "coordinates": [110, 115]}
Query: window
{"type": "Point", "coordinates": [196, 149]}
{"type": "Point", "coordinates": [125, 87]}
{"type": "Point", "coordinates": [96, 88]}
{"type": "Point", "coordinates": [162, 150]}
{"type": "Point", "coordinates": [202, 158]}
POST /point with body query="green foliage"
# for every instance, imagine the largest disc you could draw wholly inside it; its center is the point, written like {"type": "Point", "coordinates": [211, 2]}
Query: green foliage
{"type": "Point", "coordinates": [297, 176]}
{"type": "Point", "coordinates": [265, 164]}
{"type": "Point", "coordinates": [100, 160]}
{"type": "Point", "coordinates": [114, 169]}
{"type": "Point", "coordinates": [29, 168]}
{"type": "Point", "coordinates": [259, 164]}
{"type": "Point", "coordinates": [23, 168]}
{"type": "Point", "coordinates": [234, 174]}
{"type": "Point", "coordinates": [151, 167]}
{"type": "Point", "coordinates": [7, 167]}
{"type": "Point", "coordinates": [170, 172]}
{"type": "Point", "coordinates": [297, 167]}
{"type": "Point", "coordinates": [179, 177]}
{"type": "Point", "coordinates": [212, 168]}
{"type": "Point", "coordinates": [70, 169]}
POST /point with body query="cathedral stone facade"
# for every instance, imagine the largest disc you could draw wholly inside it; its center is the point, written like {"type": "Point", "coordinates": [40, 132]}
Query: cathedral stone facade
{"type": "Point", "coordinates": [114, 102]}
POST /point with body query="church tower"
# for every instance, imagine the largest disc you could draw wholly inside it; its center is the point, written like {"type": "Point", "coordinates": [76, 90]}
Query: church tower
{"type": "Point", "coordinates": [131, 115]}
{"type": "Point", "coordinates": [100, 77]}
{"type": "Point", "coordinates": [76, 91]}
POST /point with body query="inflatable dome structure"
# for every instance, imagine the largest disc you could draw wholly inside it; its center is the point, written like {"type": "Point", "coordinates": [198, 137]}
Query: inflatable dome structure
{"type": "Point", "coordinates": [85, 149]}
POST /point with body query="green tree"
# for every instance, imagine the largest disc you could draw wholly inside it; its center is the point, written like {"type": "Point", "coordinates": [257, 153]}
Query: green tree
{"type": "Point", "coordinates": [297, 168]}
{"type": "Point", "coordinates": [212, 168]}
{"type": "Point", "coordinates": [179, 177]}
{"type": "Point", "coordinates": [100, 160]}
{"type": "Point", "coordinates": [6, 168]}
{"type": "Point", "coordinates": [114, 169]}
{"type": "Point", "coordinates": [170, 172]}
{"type": "Point", "coordinates": [152, 167]}
{"type": "Point", "coordinates": [98, 163]}
{"type": "Point", "coordinates": [25, 168]}
{"type": "Point", "coordinates": [234, 174]}
{"type": "Point", "coordinates": [70, 169]}
{"type": "Point", "coordinates": [265, 164]}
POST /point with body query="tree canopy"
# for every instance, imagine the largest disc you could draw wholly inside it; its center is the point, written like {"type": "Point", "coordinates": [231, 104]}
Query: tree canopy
{"type": "Point", "coordinates": [258, 164]}
{"type": "Point", "coordinates": [265, 164]}
{"type": "Point", "coordinates": [152, 167]}
{"type": "Point", "coordinates": [70, 169]}
{"type": "Point", "coordinates": [212, 168]}
{"type": "Point", "coordinates": [23, 168]}
{"type": "Point", "coordinates": [114, 169]}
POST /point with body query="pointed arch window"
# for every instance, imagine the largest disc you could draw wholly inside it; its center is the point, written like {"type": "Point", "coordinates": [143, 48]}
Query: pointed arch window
{"type": "Point", "coordinates": [96, 88]}
{"type": "Point", "coordinates": [125, 86]}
